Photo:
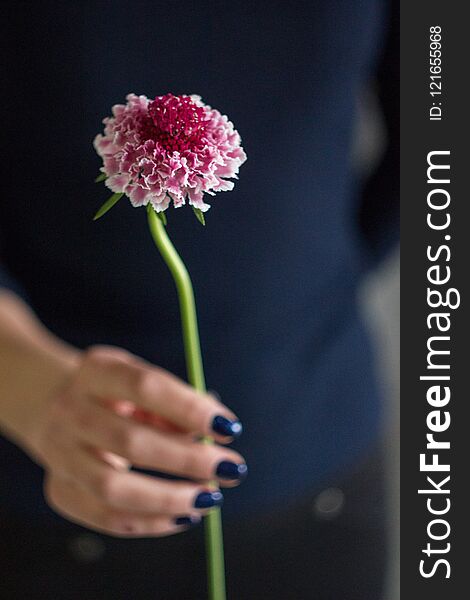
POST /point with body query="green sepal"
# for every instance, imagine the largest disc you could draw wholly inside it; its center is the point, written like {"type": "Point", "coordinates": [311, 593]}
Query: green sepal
{"type": "Point", "coordinates": [199, 215]}
{"type": "Point", "coordinates": [101, 177]}
{"type": "Point", "coordinates": [108, 205]}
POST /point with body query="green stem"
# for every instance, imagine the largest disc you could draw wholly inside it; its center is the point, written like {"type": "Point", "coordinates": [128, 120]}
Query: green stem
{"type": "Point", "coordinates": [192, 349]}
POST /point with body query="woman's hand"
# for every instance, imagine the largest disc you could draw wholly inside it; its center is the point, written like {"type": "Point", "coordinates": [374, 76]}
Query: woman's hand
{"type": "Point", "coordinates": [102, 411]}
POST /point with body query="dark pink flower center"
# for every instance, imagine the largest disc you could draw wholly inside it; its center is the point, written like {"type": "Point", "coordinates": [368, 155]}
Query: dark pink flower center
{"type": "Point", "coordinates": [179, 124]}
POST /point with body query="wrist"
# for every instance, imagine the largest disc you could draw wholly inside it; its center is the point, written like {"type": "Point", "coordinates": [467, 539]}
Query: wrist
{"type": "Point", "coordinates": [34, 366]}
{"type": "Point", "coordinates": [37, 373]}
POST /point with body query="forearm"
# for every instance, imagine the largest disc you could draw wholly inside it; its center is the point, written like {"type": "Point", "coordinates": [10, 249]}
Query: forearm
{"type": "Point", "coordinates": [33, 365]}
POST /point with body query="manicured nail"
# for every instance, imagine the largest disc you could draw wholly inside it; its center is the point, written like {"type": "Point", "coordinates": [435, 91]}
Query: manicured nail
{"type": "Point", "coordinates": [187, 521]}
{"type": "Point", "coordinates": [230, 470]}
{"type": "Point", "coordinates": [209, 499]}
{"type": "Point", "coordinates": [224, 426]}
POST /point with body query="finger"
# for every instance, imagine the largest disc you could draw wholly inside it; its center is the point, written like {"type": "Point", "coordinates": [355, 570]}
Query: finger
{"type": "Point", "coordinates": [144, 416]}
{"type": "Point", "coordinates": [130, 491]}
{"type": "Point", "coordinates": [112, 373]}
{"type": "Point", "coordinates": [129, 409]}
{"type": "Point", "coordinates": [79, 506]}
{"type": "Point", "coordinates": [148, 448]}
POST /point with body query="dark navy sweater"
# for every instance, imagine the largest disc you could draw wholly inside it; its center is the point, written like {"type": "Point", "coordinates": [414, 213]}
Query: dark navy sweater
{"type": "Point", "coordinates": [277, 267]}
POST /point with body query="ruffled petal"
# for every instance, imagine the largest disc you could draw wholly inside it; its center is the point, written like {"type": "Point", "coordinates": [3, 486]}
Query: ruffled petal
{"type": "Point", "coordinates": [169, 149]}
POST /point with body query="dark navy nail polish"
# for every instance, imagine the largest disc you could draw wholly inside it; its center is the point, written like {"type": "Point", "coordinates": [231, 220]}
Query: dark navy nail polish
{"type": "Point", "coordinates": [224, 426]}
{"type": "Point", "coordinates": [187, 521]}
{"type": "Point", "coordinates": [209, 499]}
{"type": "Point", "coordinates": [230, 470]}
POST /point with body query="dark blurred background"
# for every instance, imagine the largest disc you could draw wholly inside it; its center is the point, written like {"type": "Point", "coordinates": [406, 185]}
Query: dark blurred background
{"type": "Point", "coordinates": [379, 300]}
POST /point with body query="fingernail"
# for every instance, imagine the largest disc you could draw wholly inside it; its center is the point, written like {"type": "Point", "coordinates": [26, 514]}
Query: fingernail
{"type": "Point", "coordinates": [187, 521]}
{"type": "Point", "coordinates": [230, 470]}
{"type": "Point", "coordinates": [209, 499]}
{"type": "Point", "coordinates": [224, 426]}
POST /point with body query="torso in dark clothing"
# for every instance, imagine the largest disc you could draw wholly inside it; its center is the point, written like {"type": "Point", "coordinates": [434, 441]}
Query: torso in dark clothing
{"type": "Point", "coordinates": [277, 266]}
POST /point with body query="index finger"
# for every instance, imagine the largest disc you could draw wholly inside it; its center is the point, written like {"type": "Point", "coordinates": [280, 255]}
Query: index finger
{"type": "Point", "coordinates": [112, 373]}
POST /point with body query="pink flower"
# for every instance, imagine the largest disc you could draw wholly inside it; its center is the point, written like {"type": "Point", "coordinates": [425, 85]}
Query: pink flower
{"type": "Point", "coordinates": [172, 148]}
